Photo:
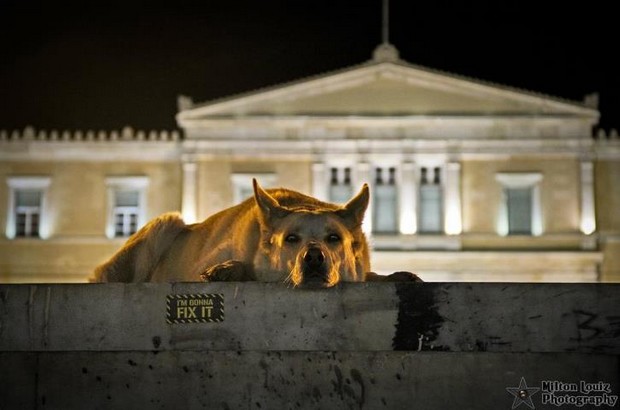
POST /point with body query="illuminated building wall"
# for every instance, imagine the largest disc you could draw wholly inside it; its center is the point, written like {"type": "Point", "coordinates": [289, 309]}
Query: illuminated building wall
{"type": "Point", "coordinates": [470, 180]}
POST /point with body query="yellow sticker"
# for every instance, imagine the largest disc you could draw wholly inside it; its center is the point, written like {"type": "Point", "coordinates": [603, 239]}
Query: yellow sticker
{"type": "Point", "coordinates": [195, 308]}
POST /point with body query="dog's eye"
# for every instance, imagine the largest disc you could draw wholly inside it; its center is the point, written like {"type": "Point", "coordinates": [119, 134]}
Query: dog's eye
{"type": "Point", "coordinates": [333, 238]}
{"type": "Point", "coordinates": [292, 238]}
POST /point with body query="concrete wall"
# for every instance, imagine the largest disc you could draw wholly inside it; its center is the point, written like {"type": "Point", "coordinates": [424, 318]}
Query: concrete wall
{"type": "Point", "coordinates": [54, 260]}
{"type": "Point", "coordinates": [215, 189]}
{"type": "Point", "coordinates": [78, 218]}
{"type": "Point", "coordinates": [77, 210]}
{"type": "Point", "coordinates": [362, 346]}
{"type": "Point", "coordinates": [364, 316]}
{"type": "Point", "coordinates": [78, 196]}
{"type": "Point", "coordinates": [559, 189]}
{"type": "Point", "coordinates": [289, 380]}
{"type": "Point", "coordinates": [610, 269]}
{"type": "Point", "coordinates": [493, 266]}
{"type": "Point", "coordinates": [607, 191]}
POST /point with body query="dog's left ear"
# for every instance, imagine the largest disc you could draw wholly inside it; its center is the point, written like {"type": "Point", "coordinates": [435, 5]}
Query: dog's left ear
{"type": "Point", "coordinates": [267, 205]}
{"type": "Point", "coordinates": [353, 211]}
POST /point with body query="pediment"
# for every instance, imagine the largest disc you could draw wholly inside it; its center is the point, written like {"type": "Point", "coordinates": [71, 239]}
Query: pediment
{"type": "Point", "coordinates": [385, 89]}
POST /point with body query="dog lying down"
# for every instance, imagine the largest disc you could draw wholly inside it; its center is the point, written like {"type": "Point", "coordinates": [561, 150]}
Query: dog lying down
{"type": "Point", "coordinates": [279, 235]}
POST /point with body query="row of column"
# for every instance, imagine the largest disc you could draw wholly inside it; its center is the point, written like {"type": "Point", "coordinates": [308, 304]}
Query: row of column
{"type": "Point", "coordinates": [408, 188]}
{"type": "Point", "coordinates": [408, 194]}
{"type": "Point", "coordinates": [588, 216]}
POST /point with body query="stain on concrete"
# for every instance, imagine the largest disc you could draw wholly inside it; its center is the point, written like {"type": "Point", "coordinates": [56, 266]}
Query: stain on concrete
{"type": "Point", "coordinates": [586, 328]}
{"type": "Point", "coordinates": [265, 367]}
{"type": "Point", "coordinates": [357, 378]}
{"type": "Point", "coordinates": [156, 342]}
{"type": "Point", "coordinates": [418, 320]}
{"type": "Point", "coordinates": [316, 393]}
{"type": "Point", "coordinates": [353, 393]}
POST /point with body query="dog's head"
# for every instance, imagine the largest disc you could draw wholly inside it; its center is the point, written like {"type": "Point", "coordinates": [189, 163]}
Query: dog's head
{"type": "Point", "coordinates": [309, 243]}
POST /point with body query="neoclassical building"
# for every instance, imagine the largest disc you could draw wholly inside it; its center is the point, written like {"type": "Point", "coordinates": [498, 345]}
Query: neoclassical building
{"type": "Point", "coordinates": [470, 181]}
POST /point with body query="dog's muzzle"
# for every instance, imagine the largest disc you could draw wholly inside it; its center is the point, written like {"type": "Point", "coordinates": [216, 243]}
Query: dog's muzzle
{"type": "Point", "coordinates": [314, 267]}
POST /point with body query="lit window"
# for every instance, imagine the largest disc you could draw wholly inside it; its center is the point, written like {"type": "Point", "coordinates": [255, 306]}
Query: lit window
{"type": "Point", "coordinates": [27, 212]}
{"type": "Point", "coordinates": [340, 190]}
{"type": "Point", "coordinates": [26, 217]}
{"type": "Point", "coordinates": [385, 201]}
{"type": "Point", "coordinates": [126, 211]}
{"type": "Point", "coordinates": [126, 205]}
{"type": "Point", "coordinates": [519, 204]}
{"type": "Point", "coordinates": [431, 200]}
{"type": "Point", "coordinates": [520, 210]}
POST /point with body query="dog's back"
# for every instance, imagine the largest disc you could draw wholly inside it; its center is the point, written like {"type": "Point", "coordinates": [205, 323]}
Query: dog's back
{"type": "Point", "coordinates": [137, 259]}
{"type": "Point", "coordinates": [167, 250]}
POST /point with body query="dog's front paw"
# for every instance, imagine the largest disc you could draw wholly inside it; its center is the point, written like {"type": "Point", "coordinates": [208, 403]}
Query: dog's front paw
{"type": "Point", "coordinates": [229, 271]}
{"type": "Point", "coordinates": [400, 276]}
{"type": "Point", "coordinates": [403, 276]}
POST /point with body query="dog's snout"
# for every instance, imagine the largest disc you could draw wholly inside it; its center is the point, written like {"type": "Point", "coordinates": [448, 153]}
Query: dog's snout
{"type": "Point", "coordinates": [316, 267]}
{"type": "Point", "coordinates": [314, 258]}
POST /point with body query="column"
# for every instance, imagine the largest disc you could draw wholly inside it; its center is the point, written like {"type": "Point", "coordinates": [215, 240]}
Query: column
{"type": "Point", "coordinates": [189, 200]}
{"type": "Point", "coordinates": [407, 199]}
{"type": "Point", "coordinates": [319, 181]}
{"type": "Point", "coordinates": [588, 218]}
{"type": "Point", "coordinates": [537, 221]}
{"type": "Point", "coordinates": [452, 217]}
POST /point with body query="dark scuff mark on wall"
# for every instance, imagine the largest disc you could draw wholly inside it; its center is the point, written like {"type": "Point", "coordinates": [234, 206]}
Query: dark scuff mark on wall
{"type": "Point", "coordinates": [418, 320]}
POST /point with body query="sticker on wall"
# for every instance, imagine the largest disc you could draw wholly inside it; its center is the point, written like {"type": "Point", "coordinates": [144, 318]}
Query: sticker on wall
{"type": "Point", "coordinates": [195, 308]}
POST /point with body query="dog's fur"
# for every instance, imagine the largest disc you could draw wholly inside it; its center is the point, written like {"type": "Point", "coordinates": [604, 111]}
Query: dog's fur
{"type": "Point", "coordinates": [277, 236]}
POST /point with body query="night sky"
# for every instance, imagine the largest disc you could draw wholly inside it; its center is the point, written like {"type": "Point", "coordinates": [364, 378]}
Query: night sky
{"type": "Point", "coordinates": [107, 65]}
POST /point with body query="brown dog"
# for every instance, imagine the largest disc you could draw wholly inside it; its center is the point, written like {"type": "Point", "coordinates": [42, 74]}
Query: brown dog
{"type": "Point", "coordinates": [277, 236]}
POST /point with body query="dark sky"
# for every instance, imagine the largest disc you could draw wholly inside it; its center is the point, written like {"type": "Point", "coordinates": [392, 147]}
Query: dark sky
{"type": "Point", "coordinates": [105, 65]}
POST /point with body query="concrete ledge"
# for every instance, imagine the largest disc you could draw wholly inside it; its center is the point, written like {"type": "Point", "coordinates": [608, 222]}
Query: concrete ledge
{"type": "Point", "coordinates": [460, 345]}
{"type": "Point", "coordinates": [456, 317]}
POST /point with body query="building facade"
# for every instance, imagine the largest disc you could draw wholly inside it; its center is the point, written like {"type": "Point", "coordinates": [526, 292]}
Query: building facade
{"type": "Point", "coordinates": [470, 181]}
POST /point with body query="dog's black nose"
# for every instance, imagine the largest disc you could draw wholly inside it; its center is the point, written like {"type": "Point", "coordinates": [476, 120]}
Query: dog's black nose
{"type": "Point", "coordinates": [314, 258]}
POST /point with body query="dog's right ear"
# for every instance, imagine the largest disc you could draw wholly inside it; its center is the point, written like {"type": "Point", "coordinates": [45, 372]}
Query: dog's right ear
{"type": "Point", "coordinates": [267, 205]}
{"type": "Point", "coordinates": [353, 211]}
